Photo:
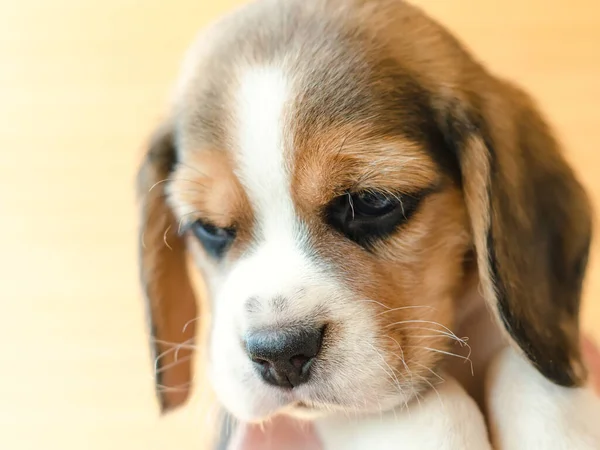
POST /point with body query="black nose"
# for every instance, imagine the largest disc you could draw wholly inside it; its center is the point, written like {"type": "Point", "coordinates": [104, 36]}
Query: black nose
{"type": "Point", "coordinates": [284, 356]}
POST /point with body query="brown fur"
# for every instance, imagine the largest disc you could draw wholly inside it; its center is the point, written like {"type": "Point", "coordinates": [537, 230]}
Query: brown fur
{"type": "Point", "coordinates": [163, 272]}
{"type": "Point", "coordinates": [212, 193]}
{"type": "Point", "coordinates": [381, 84]}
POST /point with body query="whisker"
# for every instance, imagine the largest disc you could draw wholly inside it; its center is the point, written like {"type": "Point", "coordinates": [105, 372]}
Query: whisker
{"type": "Point", "coordinates": [447, 332]}
{"type": "Point", "coordinates": [417, 395]}
{"type": "Point", "coordinates": [434, 389]}
{"type": "Point", "coordinates": [165, 238]}
{"type": "Point", "coordinates": [185, 344]}
{"type": "Point", "coordinates": [173, 364]}
{"type": "Point", "coordinates": [177, 388]}
{"type": "Point", "coordinates": [166, 194]}
{"type": "Point", "coordinates": [461, 341]}
{"type": "Point", "coordinates": [158, 183]}
{"type": "Point", "coordinates": [151, 212]}
{"type": "Point", "coordinates": [430, 370]}
{"type": "Point", "coordinates": [189, 322]}
{"type": "Point", "coordinates": [179, 347]}
{"type": "Point", "coordinates": [374, 301]}
{"type": "Point", "coordinates": [391, 373]}
{"type": "Point", "coordinates": [402, 352]}
{"type": "Point", "coordinates": [173, 180]}
{"type": "Point", "coordinates": [422, 321]}
{"type": "Point", "coordinates": [405, 307]}
{"type": "Point", "coordinates": [174, 348]}
{"type": "Point", "coordinates": [167, 390]}
{"type": "Point", "coordinates": [465, 358]}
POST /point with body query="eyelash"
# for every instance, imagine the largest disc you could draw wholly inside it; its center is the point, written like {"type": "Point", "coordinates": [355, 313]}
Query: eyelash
{"type": "Point", "coordinates": [365, 224]}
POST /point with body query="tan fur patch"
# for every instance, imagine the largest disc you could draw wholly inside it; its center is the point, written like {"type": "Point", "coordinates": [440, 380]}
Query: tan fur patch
{"type": "Point", "coordinates": [205, 186]}
{"type": "Point", "coordinates": [329, 165]}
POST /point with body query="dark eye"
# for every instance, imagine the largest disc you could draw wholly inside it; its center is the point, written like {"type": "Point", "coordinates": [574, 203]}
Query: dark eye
{"type": "Point", "coordinates": [215, 240]}
{"type": "Point", "coordinates": [374, 204]}
{"type": "Point", "coordinates": [367, 216]}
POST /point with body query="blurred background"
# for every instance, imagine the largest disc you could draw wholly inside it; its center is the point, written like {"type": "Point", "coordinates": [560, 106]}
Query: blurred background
{"type": "Point", "coordinates": [82, 84]}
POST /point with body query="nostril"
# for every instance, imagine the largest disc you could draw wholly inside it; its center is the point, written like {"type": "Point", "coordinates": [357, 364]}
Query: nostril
{"type": "Point", "coordinates": [299, 361]}
{"type": "Point", "coordinates": [261, 362]}
{"type": "Point", "coordinates": [284, 357]}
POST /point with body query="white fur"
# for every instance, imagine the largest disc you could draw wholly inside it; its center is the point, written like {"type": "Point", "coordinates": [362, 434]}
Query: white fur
{"type": "Point", "coordinates": [263, 169]}
{"type": "Point", "coordinates": [527, 411]}
{"type": "Point", "coordinates": [524, 411]}
{"type": "Point", "coordinates": [447, 420]}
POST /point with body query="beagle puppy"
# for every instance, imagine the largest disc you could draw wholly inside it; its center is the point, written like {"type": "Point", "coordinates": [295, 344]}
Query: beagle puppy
{"type": "Point", "coordinates": [392, 244]}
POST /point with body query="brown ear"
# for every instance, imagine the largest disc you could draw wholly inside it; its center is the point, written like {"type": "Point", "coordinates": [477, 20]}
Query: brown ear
{"type": "Point", "coordinates": [531, 221]}
{"type": "Point", "coordinates": [163, 270]}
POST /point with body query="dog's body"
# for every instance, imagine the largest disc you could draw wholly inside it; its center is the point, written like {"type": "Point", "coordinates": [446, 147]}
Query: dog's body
{"type": "Point", "coordinates": [359, 194]}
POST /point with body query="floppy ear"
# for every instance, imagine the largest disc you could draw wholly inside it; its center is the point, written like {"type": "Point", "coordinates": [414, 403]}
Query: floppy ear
{"type": "Point", "coordinates": [531, 222]}
{"type": "Point", "coordinates": [170, 299]}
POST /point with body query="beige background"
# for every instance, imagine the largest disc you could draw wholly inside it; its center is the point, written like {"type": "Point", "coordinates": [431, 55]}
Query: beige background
{"type": "Point", "coordinates": [82, 83]}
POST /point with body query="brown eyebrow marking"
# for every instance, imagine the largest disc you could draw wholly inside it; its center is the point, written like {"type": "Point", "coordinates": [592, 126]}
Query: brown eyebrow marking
{"type": "Point", "coordinates": [339, 162]}
{"type": "Point", "coordinates": [206, 187]}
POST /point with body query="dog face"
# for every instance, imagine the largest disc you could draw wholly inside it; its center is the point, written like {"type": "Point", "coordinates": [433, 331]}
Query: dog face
{"type": "Point", "coordinates": [338, 170]}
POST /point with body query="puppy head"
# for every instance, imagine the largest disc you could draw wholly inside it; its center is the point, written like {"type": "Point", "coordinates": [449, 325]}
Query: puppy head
{"type": "Point", "coordinates": [337, 174]}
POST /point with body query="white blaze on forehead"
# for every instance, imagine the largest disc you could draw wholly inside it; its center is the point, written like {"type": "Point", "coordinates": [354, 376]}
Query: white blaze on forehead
{"type": "Point", "coordinates": [262, 100]}
{"type": "Point", "coordinates": [278, 263]}
{"type": "Point", "coordinates": [288, 286]}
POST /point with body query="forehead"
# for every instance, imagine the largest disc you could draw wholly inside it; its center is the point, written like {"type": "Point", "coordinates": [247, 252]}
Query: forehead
{"type": "Point", "coordinates": [296, 95]}
{"type": "Point", "coordinates": [283, 158]}
{"type": "Point", "coordinates": [340, 67]}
